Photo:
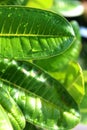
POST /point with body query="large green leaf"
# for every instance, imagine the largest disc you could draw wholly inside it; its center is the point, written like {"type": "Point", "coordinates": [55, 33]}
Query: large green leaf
{"type": "Point", "coordinates": [4, 120]}
{"type": "Point", "coordinates": [27, 33]}
{"type": "Point", "coordinates": [68, 8]}
{"type": "Point", "coordinates": [43, 100]}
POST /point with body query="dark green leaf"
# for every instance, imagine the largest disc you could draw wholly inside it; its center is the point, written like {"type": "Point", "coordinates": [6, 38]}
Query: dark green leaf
{"type": "Point", "coordinates": [43, 100]}
{"type": "Point", "coordinates": [27, 33]}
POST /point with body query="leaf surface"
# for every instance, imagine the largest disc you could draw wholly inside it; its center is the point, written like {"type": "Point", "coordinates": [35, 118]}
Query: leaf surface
{"type": "Point", "coordinates": [27, 33]}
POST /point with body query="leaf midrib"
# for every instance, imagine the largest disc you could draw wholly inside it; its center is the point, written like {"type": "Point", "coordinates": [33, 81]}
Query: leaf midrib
{"type": "Point", "coordinates": [42, 99]}
{"type": "Point", "coordinates": [38, 35]}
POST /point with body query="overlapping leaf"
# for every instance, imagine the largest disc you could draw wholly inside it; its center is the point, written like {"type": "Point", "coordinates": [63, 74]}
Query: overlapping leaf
{"type": "Point", "coordinates": [27, 33]}
{"type": "Point", "coordinates": [43, 100]}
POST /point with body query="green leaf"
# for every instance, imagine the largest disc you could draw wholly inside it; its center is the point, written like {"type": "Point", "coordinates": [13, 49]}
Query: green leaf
{"type": "Point", "coordinates": [68, 8]}
{"type": "Point", "coordinates": [27, 33]}
{"type": "Point", "coordinates": [4, 120]}
{"type": "Point", "coordinates": [43, 100]}
{"type": "Point", "coordinates": [14, 113]}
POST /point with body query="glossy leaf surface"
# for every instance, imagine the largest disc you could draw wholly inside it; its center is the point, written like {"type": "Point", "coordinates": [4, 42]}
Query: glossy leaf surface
{"type": "Point", "coordinates": [32, 33]}
{"type": "Point", "coordinates": [43, 100]}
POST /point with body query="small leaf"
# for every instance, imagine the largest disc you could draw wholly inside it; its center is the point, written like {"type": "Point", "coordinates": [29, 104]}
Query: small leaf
{"type": "Point", "coordinates": [28, 33]}
{"type": "Point", "coordinates": [4, 120]}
